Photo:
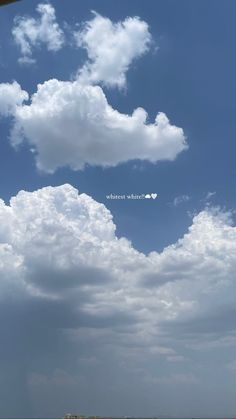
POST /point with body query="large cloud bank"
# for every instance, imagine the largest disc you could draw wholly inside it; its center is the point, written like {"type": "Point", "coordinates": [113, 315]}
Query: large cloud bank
{"type": "Point", "coordinates": [58, 242]}
{"type": "Point", "coordinates": [69, 124]}
{"type": "Point", "coordinates": [86, 301]}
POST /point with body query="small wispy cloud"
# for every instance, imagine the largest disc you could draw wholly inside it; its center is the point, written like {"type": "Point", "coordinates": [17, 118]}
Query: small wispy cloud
{"type": "Point", "coordinates": [180, 200]}
{"type": "Point", "coordinates": [209, 195]}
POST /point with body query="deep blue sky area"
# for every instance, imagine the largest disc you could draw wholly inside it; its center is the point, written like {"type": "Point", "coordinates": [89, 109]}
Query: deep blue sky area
{"type": "Point", "coordinates": [189, 75]}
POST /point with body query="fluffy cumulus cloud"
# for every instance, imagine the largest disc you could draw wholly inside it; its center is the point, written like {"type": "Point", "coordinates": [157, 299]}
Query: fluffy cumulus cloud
{"type": "Point", "coordinates": [62, 242]}
{"type": "Point", "coordinates": [69, 124]}
{"type": "Point", "coordinates": [87, 300]}
{"type": "Point", "coordinates": [111, 48]}
{"type": "Point", "coordinates": [11, 96]}
{"type": "Point", "coordinates": [29, 32]}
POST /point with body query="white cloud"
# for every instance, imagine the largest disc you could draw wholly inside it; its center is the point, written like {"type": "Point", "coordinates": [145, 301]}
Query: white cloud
{"type": "Point", "coordinates": [207, 200]}
{"type": "Point", "coordinates": [64, 242]}
{"type": "Point", "coordinates": [111, 48]}
{"type": "Point", "coordinates": [69, 124]}
{"type": "Point", "coordinates": [31, 32]}
{"type": "Point", "coordinates": [180, 199]}
{"type": "Point", "coordinates": [62, 268]}
{"type": "Point", "coordinates": [11, 96]}
{"type": "Point", "coordinates": [210, 195]}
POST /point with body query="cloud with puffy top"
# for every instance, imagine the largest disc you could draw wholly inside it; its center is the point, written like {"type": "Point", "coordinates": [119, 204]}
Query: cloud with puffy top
{"type": "Point", "coordinates": [111, 48]}
{"type": "Point", "coordinates": [30, 33]}
{"type": "Point", "coordinates": [56, 240]}
{"type": "Point", "coordinates": [69, 124]}
{"type": "Point", "coordinates": [77, 290]}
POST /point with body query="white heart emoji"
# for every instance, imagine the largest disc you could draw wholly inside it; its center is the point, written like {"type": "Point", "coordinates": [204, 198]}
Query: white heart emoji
{"type": "Point", "coordinates": [147, 196]}
{"type": "Point", "coordinates": [154, 195]}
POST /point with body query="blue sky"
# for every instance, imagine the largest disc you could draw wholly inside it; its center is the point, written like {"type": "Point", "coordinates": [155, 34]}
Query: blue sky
{"type": "Point", "coordinates": [187, 72]}
{"type": "Point", "coordinates": [190, 78]}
